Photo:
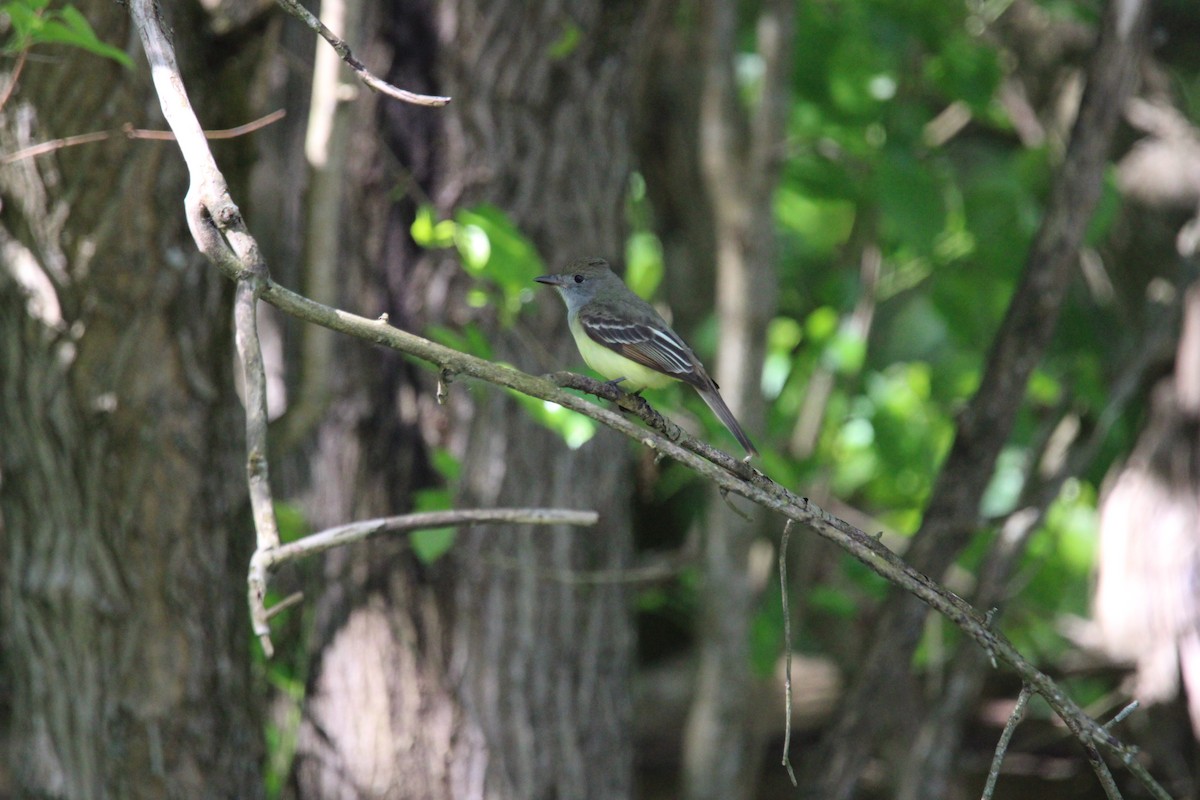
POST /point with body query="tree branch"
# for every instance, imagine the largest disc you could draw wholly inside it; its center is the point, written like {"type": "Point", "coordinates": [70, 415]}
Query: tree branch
{"type": "Point", "coordinates": [734, 476]}
{"type": "Point", "coordinates": [405, 523]}
{"type": "Point", "coordinates": [129, 132]}
{"type": "Point", "coordinates": [366, 76]}
{"type": "Point", "coordinates": [1014, 719]}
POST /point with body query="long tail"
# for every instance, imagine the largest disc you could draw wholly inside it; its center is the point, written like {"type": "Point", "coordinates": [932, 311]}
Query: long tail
{"type": "Point", "coordinates": [713, 398]}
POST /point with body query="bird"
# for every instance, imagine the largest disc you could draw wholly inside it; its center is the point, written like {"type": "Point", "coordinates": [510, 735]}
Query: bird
{"type": "Point", "coordinates": [623, 338]}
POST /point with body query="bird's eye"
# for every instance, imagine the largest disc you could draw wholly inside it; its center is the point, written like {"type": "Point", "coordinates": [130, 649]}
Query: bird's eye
{"type": "Point", "coordinates": [579, 279]}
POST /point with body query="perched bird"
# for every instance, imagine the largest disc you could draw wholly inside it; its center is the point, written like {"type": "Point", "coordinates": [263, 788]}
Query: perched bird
{"type": "Point", "coordinates": [623, 338]}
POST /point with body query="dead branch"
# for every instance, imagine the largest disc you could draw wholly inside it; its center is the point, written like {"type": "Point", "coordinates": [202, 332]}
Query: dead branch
{"type": "Point", "coordinates": [368, 78]}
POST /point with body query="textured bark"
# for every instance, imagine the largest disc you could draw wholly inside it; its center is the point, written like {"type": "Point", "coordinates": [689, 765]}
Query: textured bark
{"type": "Point", "coordinates": [545, 665]}
{"type": "Point", "coordinates": [379, 718]}
{"type": "Point", "coordinates": [668, 152]}
{"type": "Point", "coordinates": [122, 603]}
{"type": "Point", "coordinates": [951, 517]}
{"type": "Point", "coordinates": [478, 676]}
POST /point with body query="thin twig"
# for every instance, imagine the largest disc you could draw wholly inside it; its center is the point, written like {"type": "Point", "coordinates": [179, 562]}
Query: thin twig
{"type": "Point", "coordinates": [1122, 714]}
{"type": "Point", "coordinates": [267, 559]}
{"type": "Point", "coordinates": [1014, 719]}
{"type": "Point", "coordinates": [1088, 739]}
{"type": "Point", "coordinates": [15, 75]}
{"type": "Point", "coordinates": [405, 523]}
{"type": "Point", "coordinates": [295, 598]}
{"type": "Point", "coordinates": [787, 651]}
{"type": "Point", "coordinates": [364, 75]}
{"type": "Point", "coordinates": [129, 132]}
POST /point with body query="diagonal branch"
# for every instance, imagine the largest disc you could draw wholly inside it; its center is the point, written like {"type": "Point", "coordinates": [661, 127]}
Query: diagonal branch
{"type": "Point", "coordinates": [366, 76]}
{"type": "Point", "coordinates": [1014, 719]}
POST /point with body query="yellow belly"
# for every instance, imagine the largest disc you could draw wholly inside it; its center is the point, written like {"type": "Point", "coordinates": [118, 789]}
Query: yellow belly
{"type": "Point", "coordinates": [613, 365]}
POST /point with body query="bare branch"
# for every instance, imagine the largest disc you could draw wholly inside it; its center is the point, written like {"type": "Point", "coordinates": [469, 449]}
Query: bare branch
{"type": "Point", "coordinates": [787, 651]}
{"type": "Point", "coordinates": [14, 77]}
{"type": "Point", "coordinates": [1014, 719]}
{"type": "Point", "coordinates": [250, 353]}
{"type": "Point", "coordinates": [732, 475]}
{"type": "Point", "coordinates": [370, 528]}
{"type": "Point", "coordinates": [129, 132]}
{"type": "Point", "coordinates": [364, 75]}
{"type": "Point", "coordinates": [1122, 714]}
{"type": "Point", "coordinates": [262, 504]}
{"type": "Point", "coordinates": [1103, 773]}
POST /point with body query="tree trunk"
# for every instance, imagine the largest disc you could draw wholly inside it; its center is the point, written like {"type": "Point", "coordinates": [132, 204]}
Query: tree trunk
{"type": "Point", "coordinates": [122, 602]}
{"type": "Point", "coordinates": [737, 153]}
{"type": "Point", "coordinates": [487, 674]}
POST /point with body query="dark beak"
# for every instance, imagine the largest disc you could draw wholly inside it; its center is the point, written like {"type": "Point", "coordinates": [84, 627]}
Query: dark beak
{"type": "Point", "coordinates": [551, 280]}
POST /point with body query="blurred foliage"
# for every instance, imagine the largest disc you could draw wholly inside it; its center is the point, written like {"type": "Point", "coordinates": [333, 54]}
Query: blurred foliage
{"type": "Point", "coordinates": [32, 22]}
{"type": "Point", "coordinates": [430, 544]}
{"type": "Point", "coordinates": [491, 249]}
{"type": "Point", "coordinates": [953, 217]}
{"type": "Point", "coordinates": [287, 672]}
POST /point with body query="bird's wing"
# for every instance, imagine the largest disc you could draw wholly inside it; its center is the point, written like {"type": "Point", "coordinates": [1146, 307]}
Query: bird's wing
{"type": "Point", "coordinates": [642, 341]}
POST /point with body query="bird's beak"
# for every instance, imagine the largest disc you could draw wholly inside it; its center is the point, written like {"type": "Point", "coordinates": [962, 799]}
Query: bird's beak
{"type": "Point", "coordinates": [551, 280]}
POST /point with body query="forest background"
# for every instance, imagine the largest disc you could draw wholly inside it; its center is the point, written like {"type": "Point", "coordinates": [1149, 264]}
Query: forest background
{"type": "Point", "coordinates": [939, 255]}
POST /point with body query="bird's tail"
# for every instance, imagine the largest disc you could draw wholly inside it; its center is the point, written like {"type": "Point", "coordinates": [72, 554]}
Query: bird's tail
{"type": "Point", "coordinates": [713, 398]}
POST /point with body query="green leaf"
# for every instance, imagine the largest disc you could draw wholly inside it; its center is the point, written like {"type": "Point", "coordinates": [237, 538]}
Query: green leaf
{"type": "Point", "coordinates": [291, 521]}
{"type": "Point", "coordinates": [446, 464]}
{"type": "Point", "coordinates": [966, 70]}
{"type": "Point", "coordinates": [25, 22]}
{"type": "Point", "coordinates": [567, 42]}
{"type": "Point", "coordinates": [469, 340]}
{"type": "Point", "coordinates": [823, 225]}
{"type": "Point", "coordinates": [574, 428]}
{"type": "Point", "coordinates": [432, 543]}
{"type": "Point", "coordinates": [70, 27]}
{"type": "Point", "coordinates": [495, 251]}
{"type": "Point", "coordinates": [644, 264]}
{"type": "Point", "coordinates": [832, 601]}
{"type": "Point", "coordinates": [428, 232]}
{"type": "Point", "coordinates": [911, 201]}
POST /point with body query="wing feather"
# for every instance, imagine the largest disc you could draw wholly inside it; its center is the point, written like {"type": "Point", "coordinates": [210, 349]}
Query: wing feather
{"type": "Point", "coordinates": [649, 345]}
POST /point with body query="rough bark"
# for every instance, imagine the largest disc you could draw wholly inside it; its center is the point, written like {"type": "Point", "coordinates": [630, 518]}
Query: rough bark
{"type": "Point", "coordinates": [122, 598]}
{"type": "Point", "coordinates": [379, 716]}
{"type": "Point", "coordinates": [496, 681]}
{"type": "Point", "coordinates": [545, 664]}
{"type": "Point", "coordinates": [951, 516]}
{"type": "Point", "coordinates": [668, 153]}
